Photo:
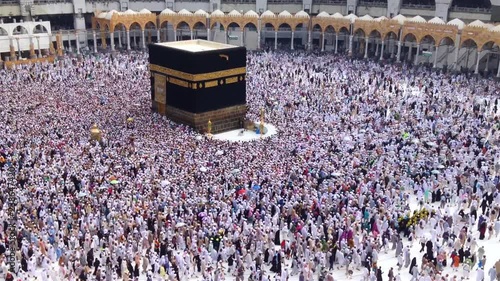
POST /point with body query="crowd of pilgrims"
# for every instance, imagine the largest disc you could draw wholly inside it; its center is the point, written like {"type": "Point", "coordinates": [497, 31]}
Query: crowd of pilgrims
{"type": "Point", "coordinates": [370, 160]}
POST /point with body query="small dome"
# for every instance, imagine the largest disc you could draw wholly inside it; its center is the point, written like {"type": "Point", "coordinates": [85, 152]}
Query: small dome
{"type": "Point", "coordinates": [489, 26]}
{"type": "Point", "coordinates": [251, 14]}
{"type": "Point", "coordinates": [496, 28]}
{"type": "Point", "coordinates": [436, 20]}
{"type": "Point", "coordinates": [110, 14]}
{"type": "Point", "coordinates": [457, 22]}
{"type": "Point", "coordinates": [337, 16]}
{"type": "Point", "coordinates": [144, 11]}
{"type": "Point", "coordinates": [418, 19]}
{"type": "Point", "coordinates": [400, 18]}
{"type": "Point", "coordinates": [381, 18]}
{"type": "Point", "coordinates": [129, 12]}
{"type": "Point", "coordinates": [185, 12]}
{"type": "Point", "coordinates": [268, 14]}
{"type": "Point", "coordinates": [201, 12]}
{"type": "Point", "coordinates": [366, 17]}
{"type": "Point", "coordinates": [477, 23]}
{"type": "Point", "coordinates": [323, 15]}
{"type": "Point", "coordinates": [217, 13]}
{"type": "Point", "coordinates": [301, 14]}
{"type": "Point", "coordinates": [167, 12]}
{"type": "Point", "coordinates": [102, 15]}
{"type": "Point", "coordinates": [351, 17]}
{"type": "Point", "coordinates": [234, 13]}
{"type": "Point", "coordinates": [285, 14]}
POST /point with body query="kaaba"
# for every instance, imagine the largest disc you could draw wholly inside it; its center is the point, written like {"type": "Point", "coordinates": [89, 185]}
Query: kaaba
{"type": "Point", "coordinates": [195, 81]}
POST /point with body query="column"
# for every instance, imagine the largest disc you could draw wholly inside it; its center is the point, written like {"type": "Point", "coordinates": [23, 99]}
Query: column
{"type": "Point", "coordinates": [32, 48]}
{"type": "Point", "coordinates": [457, 51]}
{"type": "Point", "coordinates": [242, 37]}
{"type": "Point", "coordinates": [127, 32]}
{"type": "Point", "coordinates": [175, 34]}
{"type": "Point", "coordinates": [409, 51]}
{"type": "Point", "coordinates": [275, 39]}
{"type": "Point", "coordinates": [399, 52]}
{"type": "Point", "coordinates": [18, 48]}
{"type": "Point", "coordinates": [291, 43]}
{"type": "Point", "coordinates": [322, 41]}
{"type": "Point", "coordinates": [336, 41]}
{"type": "Point", "coordinates": [39, 50]}
{"type": "Point", "coordinates": [225, 36]}
{"type": "Point", "coordinates": [112, 40]}
{"type": "Point", "coordinates": [436, 53]}
{"type": "Point", "coordinates": [70, 49]}
{"type": "Point", "coordinates": [487, 61]}
{"type": "Point", "coordinates": [95, 40]}
{"type": "Point", "coordinates": [258, 39]}
{"type": "Point", "coordinates": [119, 39]}
{"type": "Point", "coordinates": [498, 72]}
{"type": "Point", "coordinates": [78, 43]}
{"type": "Point", "coordinates": [416, 56]}
{"type": "Point", "coordinates": [350, 45]}
{"type": "Point", "coordinates": [143, 39]}
{"type": "Point", "coordinates": [158, 39]}
{"type": "Point", "coordinates": [12, 49]}
{"type": "Point", "coordinates": [208, 34]}
{"type": "Point", "coordinates": [477, 61]}
{"type": "Point", "coordinates": [192, 34]}
{"type": "Point", "coordinates": [382, 50]}
{"type": "Point", "coordinates": [103, 40]}
{"type": "Point", "coordinates": [376, 48]}
{"type": "Point", "coordinates": [366, 47]}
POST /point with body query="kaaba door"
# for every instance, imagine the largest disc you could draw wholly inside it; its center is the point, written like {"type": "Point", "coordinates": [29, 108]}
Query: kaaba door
{"type": "Point", "coordinates": [160, 92]}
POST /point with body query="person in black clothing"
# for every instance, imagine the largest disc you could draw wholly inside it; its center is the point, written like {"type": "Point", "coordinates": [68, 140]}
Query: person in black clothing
{"type": "Point", "coordinates": [97, 263]}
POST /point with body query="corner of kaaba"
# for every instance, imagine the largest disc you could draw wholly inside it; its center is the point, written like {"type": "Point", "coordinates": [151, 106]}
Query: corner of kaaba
{"type": "Point", "coordinates": [196, 81]}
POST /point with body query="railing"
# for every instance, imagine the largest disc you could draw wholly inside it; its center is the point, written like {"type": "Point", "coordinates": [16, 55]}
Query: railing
{"type": "Point", "coordinates": [189, 0]}
{"type": "Point", "coordinates": [9, 2]}
{"type": "Point", "coordinates": [239, 1]}
{"type": "Point", "coordinates": [470, 10]}
{"type": "Point", "coordinates": [50, 1]}
{"type": "Point", "coordinates": [331, 2]}
{"type": "Point", "coordinates": [373, 3]}
{"type": "Point", "coordinates": [284, 2]}
{"type": "Point", "coordinates": [418, 6]}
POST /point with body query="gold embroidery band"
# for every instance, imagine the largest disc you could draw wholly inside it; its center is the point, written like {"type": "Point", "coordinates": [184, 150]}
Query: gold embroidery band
{"type": "Point", "coordinates": [198, 77]}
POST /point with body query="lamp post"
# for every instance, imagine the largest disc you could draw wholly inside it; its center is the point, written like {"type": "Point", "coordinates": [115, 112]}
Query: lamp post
{"type": "Point", "coordinates": [209, 129]}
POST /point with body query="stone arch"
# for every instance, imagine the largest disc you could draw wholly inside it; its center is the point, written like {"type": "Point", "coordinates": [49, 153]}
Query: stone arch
{"type": "Point", "coordinates": [214, 22]}
{"type": "Point", "coordinates": [389, 33]}
{"type": "Point", "coordinates": [233, 23]}
{"type": "Point", "coordinates": [427, 37]}
{"type": "Point", "coordinates": [489, 44]}
{"type": "Point", "coordinates": [284, 25]}
{"type": "Point", "coordinates": [39, 28]}
{"type": "Point", "coordinates": [135, 24]}
{"type": "Point", "coordinates": [3, 32]}
{"type": "Point", "coordinates": [250, 25]}
{"type": "Point", "coordinates": [182, 25]}
{"type": "Point", "coordinates": [330, 29]}
{"type": "Point", "coordinates": [269, 25]}
{"type": "Point", "coordinates": [438, 42]}
{"type": "Point", "coordinates": [19, 29]}
{"type": "Point", "coordinates": [468, 42]}
{"type": "Point", "coordinates": [360, 29]}
{"type": "Point", "coordinates": [410, 35]}
{"type": "Point", "coordinates": [119, 26]}
{"type": "Point", "coordinates": [150, 23]}
{"type": "Point", "coordinates": [318, 26]}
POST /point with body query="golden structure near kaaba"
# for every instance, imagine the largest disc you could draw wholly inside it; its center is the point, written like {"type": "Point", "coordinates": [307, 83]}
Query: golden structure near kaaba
{"type": "Point", "coordinates": [199, 83]}
{"type": "Point", "coordinates": [95, 133]}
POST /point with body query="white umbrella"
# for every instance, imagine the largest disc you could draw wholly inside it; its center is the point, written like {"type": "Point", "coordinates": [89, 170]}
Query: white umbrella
{"type": "Point", "coordinates": [180, 224]}
{"type": "Point", "coordinates": [203, 169]}
{"type": "Point", "coordinates": [82, 194]}
{"type": "Point", "coordinates": [415, 141]}
{"type": "Point", "coordinates": [164, 183]}
{"type": "Point", "coordinates": [219, 152]}
{"type": "Point", "coordinates": [435, 172]}
{"type": "Point", "coordinates": [336, 174]}
{"type": "Point", "coordinates": [440, 167]}
{"type": "Point", "coordinates": [198, 137]}
{"type": "Point", "coordinates": [235, 171]}
{"type": "Point", "coordinates": [431, 143]}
